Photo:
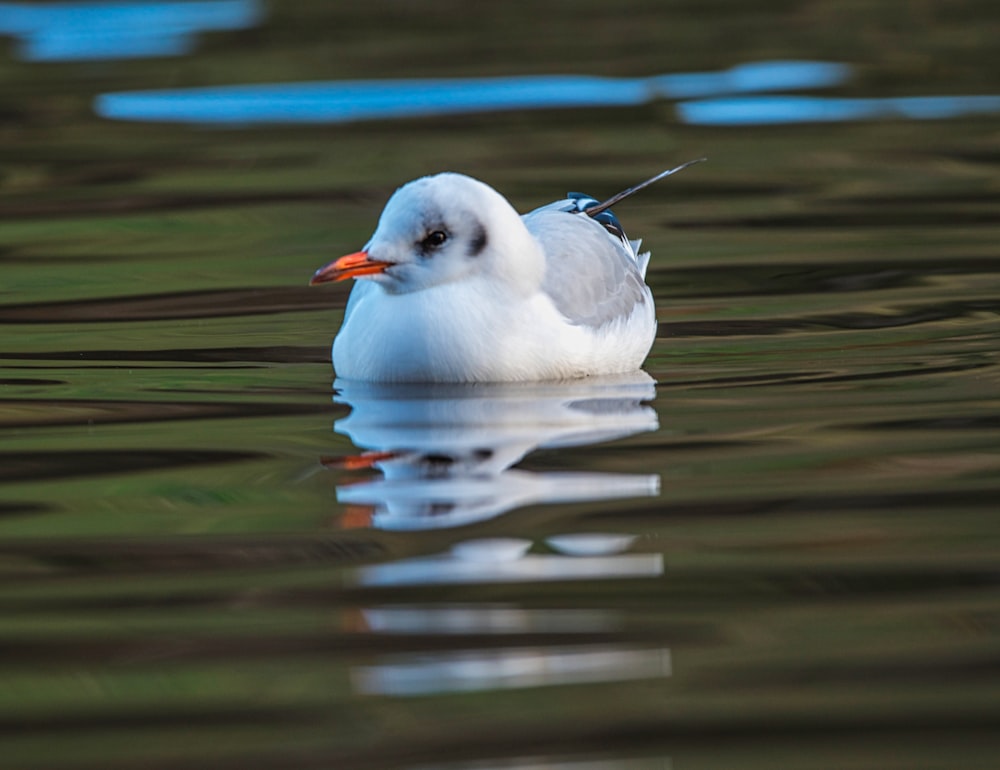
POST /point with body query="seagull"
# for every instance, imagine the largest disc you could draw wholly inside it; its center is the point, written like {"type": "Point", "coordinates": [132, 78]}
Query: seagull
{"type": "Point", "coordinates": [456, 286]}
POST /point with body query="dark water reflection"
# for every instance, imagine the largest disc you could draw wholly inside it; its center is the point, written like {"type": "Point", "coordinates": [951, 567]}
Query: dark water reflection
{"type": "Point", "coordinates": [781, 554]}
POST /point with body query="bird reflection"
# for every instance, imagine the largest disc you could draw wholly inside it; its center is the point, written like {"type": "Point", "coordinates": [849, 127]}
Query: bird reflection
{"type": "Point", "coordinates": [445, 456]}
{"type": "Point", "coordinates": [446, 452]}
{"type": "Point", "coordinates": [501, 669]}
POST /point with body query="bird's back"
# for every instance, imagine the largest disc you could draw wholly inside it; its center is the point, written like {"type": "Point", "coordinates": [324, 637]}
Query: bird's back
{"type": "Point", "coordinates": [593, 277]}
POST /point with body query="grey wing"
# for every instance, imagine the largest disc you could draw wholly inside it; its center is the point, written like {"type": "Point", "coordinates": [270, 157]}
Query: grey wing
{"type": "Point", "coordinates": [590, 275]}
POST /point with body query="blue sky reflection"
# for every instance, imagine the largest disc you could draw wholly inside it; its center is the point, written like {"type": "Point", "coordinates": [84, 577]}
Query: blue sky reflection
{"type": "Point", "coordinates": [771, 110]}
{"type": "Point", "coordinates": [345, 101]}
{"type": "Point", "coordinates": [72, 31]}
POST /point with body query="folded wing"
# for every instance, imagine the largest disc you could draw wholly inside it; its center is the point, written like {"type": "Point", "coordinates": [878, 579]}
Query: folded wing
{"type": "Point", "coordinates": [593, 274]}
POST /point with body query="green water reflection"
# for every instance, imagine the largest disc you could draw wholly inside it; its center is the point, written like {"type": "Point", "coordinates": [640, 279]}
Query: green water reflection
{"type": "Point", "coordinates": [181, 587]}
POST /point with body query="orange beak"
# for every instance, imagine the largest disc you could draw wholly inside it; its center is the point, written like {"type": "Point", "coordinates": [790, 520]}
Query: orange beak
{"type": "Point", "coordinates": [358, 462]}
{"type": "Point", "coordinates": [352, 266]}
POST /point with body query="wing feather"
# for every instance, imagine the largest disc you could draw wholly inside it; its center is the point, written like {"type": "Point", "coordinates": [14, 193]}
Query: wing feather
{"type": "Point", "coordinates": [592, 278]}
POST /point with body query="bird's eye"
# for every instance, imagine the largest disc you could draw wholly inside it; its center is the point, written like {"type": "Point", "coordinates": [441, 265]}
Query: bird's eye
{"type": "Point", "coordinates": [434, 239]}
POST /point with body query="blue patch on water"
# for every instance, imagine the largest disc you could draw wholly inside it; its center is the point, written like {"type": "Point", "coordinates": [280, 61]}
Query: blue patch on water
{"type": "Point", "coordinates": [364, 100]}
{"type": "Point", "coordinates": [76, 31]}
{"type": "Point", "coordinates": [344, 101]}
{"type": "Point", "coordinates": [770, 110]}
{"type": "Point", "coordinates": [753, 77]}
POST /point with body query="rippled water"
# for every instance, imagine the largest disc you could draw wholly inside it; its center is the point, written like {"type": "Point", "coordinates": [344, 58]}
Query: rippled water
{"type": "Point", "coordinates": [778, 549]}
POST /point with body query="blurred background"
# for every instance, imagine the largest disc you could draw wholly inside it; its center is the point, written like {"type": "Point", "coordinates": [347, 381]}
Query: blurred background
{"type": "Point", "coordinates": [779, 549]}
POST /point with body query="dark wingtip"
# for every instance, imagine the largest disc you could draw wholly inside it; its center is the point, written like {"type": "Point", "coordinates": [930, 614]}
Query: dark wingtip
{"type": "Point", "coordinates": [593, 211]}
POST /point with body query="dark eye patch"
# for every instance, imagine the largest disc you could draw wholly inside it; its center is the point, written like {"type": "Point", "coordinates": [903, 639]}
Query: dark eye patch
{"type": "Point", "coordinates": [478, 242]}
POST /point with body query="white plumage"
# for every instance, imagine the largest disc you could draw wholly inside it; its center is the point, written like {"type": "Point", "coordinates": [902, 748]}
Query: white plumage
{"type": "Point", "coordinates": [455, 286]}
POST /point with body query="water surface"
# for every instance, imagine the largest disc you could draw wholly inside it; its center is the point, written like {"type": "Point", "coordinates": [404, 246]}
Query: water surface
{"type": "Point", "coordinates": [779, 549]}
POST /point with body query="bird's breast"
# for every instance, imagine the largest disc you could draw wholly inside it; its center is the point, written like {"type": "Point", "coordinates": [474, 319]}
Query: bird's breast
{"type": "Point", "coordinates": [453, 332]}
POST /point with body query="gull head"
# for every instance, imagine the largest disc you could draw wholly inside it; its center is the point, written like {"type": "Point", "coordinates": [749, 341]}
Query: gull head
{"type": "Point", "coordinates": [441, 229]}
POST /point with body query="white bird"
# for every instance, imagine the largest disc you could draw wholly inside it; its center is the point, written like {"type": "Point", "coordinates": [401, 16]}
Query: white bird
{"type": "Point", "coordinates": [455, 286]}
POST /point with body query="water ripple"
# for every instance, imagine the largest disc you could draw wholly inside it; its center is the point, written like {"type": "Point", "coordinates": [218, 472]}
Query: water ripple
{"type": "Point", "coordinates": [50, 465]}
